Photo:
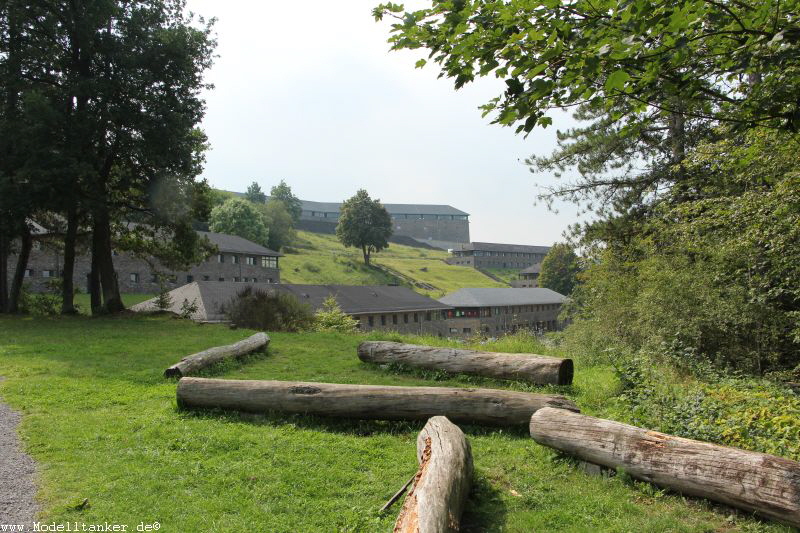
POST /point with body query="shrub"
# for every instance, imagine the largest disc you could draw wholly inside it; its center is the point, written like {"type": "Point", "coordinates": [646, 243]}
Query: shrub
{"type": "Point", "coordinates": [332, 318]}
{"type": "Point", "coordinates": [188, 309]}
{"type": "Point", "coordinates": [268, 310]}
{"type": "Point", "coordinates": [163, 300]}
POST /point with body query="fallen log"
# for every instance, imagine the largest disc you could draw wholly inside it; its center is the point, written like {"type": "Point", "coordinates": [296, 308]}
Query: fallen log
{"type": "Point", "coordinates": [756, 482]}
{"type": "Point", "coordinates": [439, 490]}
{"type": "Point", "coordinates": [480, 406]}
{"type": "Point", "coordinates": [192, 363]}
{"type": "Point", "coordinates": [532, 368]}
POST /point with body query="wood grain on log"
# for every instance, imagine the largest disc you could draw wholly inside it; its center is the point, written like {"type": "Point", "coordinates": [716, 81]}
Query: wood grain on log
{"type": "Point", "coordinates": [192, 363]}
{"type": "Point", "coordinates": [480, 406]}
{"type": "Point", "coordinates": [524, 367]}
{"type": "Point", "coordinates": [756, 482]}
{"type": "Point", "coordinates": [440, 489]}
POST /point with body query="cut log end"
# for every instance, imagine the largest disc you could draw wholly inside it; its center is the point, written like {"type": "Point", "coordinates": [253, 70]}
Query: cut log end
{"type": "Point", "coordinates": [173, 372]}
{"type": "Point", "coordinates": [566, 372]}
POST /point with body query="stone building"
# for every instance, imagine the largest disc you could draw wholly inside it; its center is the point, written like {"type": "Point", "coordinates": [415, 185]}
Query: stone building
{"type": "Point", "coordinates": [497, 311]}
{"type": "Point", "coordinates": [388, 308]}
{"type": "Point", "coordinates": [440, 226]}
{"type": "Point", "coordinates": [528, 277]}
{"type": "Point", "coordinates": [496, 255]}
{"type": "Point", "coordinates": [238, 260]}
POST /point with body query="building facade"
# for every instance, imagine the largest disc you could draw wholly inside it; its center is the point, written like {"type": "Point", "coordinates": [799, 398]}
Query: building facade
{"type": "Point", "coordinates": [238, 260]}
{"type": "Point", "coordinates": [497, 255]}
{"type": "Point", "coordinates": [528, 277]}
{"type": "Point", "coordinates": [499, 311]}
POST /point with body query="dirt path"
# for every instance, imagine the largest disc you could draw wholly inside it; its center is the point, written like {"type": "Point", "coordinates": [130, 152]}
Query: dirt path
{"type": "Point", "coordinates": [17, 474]}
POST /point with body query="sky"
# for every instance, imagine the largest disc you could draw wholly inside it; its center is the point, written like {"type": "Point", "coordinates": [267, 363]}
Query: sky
{"type": "Point", "coordinates": [310, 93]}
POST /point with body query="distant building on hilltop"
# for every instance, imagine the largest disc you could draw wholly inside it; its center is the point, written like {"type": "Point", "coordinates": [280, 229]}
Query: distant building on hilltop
{"type": "Point", "coordinates": [440, 226]}
{"type": "Point", "coordinates": [497, 311]}
{"type": "Point", "coordinates": [528, 277]}
{"type": "Point", "coordinates": [497, 255]}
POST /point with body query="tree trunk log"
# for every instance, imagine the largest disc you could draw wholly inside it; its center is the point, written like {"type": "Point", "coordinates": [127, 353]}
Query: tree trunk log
{"type": "Point", "coordinates": [440, 489]}
{"type": "Point", "coordinates": [68, 272]}
{"type": "Point", "coordinates": [192, 363]}
{"type": "Point", "coordinates": [18, 280]}
{"type": "Point", "coordinates": [764, 484]}
{"type": "Point", "coordinates": [479, 406]}
{"type": "Point", "coordinates": [523, 367]}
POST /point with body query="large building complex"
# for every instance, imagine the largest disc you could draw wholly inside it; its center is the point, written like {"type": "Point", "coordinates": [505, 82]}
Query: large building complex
{"type": "Point", "coordinates": [237, 260]}
{"type": "Point", "coordinates": [497, 255]}
{"type": "Point", "coordinates": [497, 311]}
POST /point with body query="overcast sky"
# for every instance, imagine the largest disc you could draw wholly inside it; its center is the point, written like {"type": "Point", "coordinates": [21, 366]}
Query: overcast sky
{"type": "Point", "coordinates": [309, 92]}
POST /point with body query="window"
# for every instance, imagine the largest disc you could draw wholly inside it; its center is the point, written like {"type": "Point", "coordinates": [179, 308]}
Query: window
{"type": "Point", "coordinates": [250, 260]}
{"type": "Point", "coordinates": [189, 279]}
{"type": "Point", "coordinates": [371, 321]}
{"type": "Point", "coordinates": [467, 330]}
{"type": "Point", "coordinates": [206, 278]}
{"type": "Point", "coordinates": [427, 316]}
{"type": "Point", "coordinates": [383, 320]}
{"type": "Point", "coordinates": [48, 273]}
{"type": "Point", "coordinates": [222, 279]}
{"type": "Point", "coordinates": [235, 259]}
{"type": "Point", "coordinates": [416, 317]}
{"type": "Point", "coordinates": [453, 330]}
{"type": "Point", "coordinates": [269, 262]}
{"type": "Point", "coordinates": [37, 245]}
{"type": "Point", "coordinates": [405, 318]}
{"type": "Point", "coordinates": [221, 258]}
{"type": "Point", "coordinates": [135, 277]}
{"type": "Point", "coordinates": [394, 319]}
{"type": "Point", "coordinates": [153, 278]}
{"type": "Point", "coordinates": [255, 280]}
{"type": "Point", "coordinates": [237, 279]}
{"type": "Point", "coordinates": [28, 272]}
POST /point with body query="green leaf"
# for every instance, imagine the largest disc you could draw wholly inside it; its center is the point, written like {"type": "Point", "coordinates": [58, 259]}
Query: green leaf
{"type": "Point", "coordinates": [419, 64]}
{"type": "Point", "coordinates": [616, 80]}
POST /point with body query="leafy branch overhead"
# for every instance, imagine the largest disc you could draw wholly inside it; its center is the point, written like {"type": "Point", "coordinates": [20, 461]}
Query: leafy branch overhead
{"type": "Point", "coordinates": [734, 62]}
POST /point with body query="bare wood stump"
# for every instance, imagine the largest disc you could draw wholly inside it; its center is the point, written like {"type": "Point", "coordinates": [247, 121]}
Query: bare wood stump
{"type": "Point", "coordinates": [756, 482]}
{"type": "Point", "coordinates": [532, 368]}
{"type": "Point", "coordinates": [192, 363]}
{"type": "Point", "coordinates": [440, 489]}
{"type": "Point", "coordinates": [479, 406]}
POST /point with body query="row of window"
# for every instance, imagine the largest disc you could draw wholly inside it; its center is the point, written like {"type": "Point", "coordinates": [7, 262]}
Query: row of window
{"type": "Point", "coordinates": [134, 277]}
{"type": "Point", "coordinates": [264, 261]}
{"type": "Point", "coordinates": [401, 216]}
{"type": "Point", "coordinates": [487, 253]}
{"type": "Point", "coordinates": [488, 311]}
{"type": "Point", "coordinates": [29, 273]}
{"type": "Point", "coordinates": [395, 318]}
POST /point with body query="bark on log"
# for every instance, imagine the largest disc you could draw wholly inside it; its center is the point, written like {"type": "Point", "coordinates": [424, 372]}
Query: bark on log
{"type": "Point", "coordinates": [195, 362]}
{"type": "Point", "coordinates": [532, 368]}
{"type": "Point", "coordinates": [764, 484]}
{"type": "Point", "coordinates": [439, 491]}
{"type": "Point", "coordinates": [480, 406]}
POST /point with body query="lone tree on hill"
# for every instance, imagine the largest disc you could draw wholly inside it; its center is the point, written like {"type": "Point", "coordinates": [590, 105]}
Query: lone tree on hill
{"type": "Point", "coordinates": [364, 223]}
{"type": "Point", "coordinates": [255, 194]}
{"type": "Point", "coordinates": [560, 269]}
{"type": "Point", "coordinates": [283, 193]}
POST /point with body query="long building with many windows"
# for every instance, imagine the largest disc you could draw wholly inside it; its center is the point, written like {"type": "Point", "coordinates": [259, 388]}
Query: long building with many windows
{"type": "Point", "coordinates": [497, 255]}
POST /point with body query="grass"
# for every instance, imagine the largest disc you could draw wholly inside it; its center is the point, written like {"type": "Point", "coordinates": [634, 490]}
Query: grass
{"type": "Point", "coordinates": [506, 274]}
{"type": "Point", "coordinates": [322, 259]}
{"type": "Point", "coordinates": [129, 299]}
{"type": "Point", "coordinates": [103, 424]}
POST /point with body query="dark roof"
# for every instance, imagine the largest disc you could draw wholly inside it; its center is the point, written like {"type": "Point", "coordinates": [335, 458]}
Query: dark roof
{"type": "Point", "coordinates": [363, 299]}
{"type": "Point", "coordinates": [394, 209]}
{"type": "Point", "coordinates": [233, 243]}
{"type": "Point", "coordinates": [500, 247]}
{"type": "Point", "coordinates": [496, 297]}
{"type": "Point", "coordinates": [533, 269]}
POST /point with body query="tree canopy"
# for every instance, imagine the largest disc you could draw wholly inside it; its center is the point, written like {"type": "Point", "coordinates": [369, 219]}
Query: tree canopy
{"type": "Point", "coordinates": [255, 194]}
{"type": "Point", "coordinates": [283, 193]}
{"type": "Point", "coordinates": [364, 223]}
{"type": "Point", "coordinates": [240, 217]}
{"type": "Point", "coordinates": [560, 269]}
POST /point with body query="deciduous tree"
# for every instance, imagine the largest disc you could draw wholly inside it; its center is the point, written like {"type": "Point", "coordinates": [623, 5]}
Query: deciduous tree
{"type": "Point", "coordinates": [364, 223]}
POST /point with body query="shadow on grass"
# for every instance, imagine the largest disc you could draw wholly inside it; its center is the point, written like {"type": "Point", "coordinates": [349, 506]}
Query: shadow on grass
{"type": "Point", "coordinates": [343, 426]}
{"type": "Point", "coordinates": [485, 509]}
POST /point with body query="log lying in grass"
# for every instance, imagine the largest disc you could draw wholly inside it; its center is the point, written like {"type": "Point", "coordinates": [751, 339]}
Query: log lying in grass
{"type": "Point", "coordinates": [441, 486]}
{"type": "Point", "coordinates": [192, 363]}
{"type": "Point", "coordinates": [524, 367]}
{"type": "Point", "coordinates": [764, 484]}
{"type": "Point", "coordinates": [480, 406]}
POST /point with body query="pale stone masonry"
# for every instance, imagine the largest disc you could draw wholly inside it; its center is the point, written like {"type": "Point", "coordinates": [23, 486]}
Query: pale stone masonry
{"type": "Point", "coordinates": [238, 260]}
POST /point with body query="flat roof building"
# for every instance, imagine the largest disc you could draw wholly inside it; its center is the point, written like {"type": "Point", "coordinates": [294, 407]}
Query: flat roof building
{"type": "Point", "coordinates": [497, 255]}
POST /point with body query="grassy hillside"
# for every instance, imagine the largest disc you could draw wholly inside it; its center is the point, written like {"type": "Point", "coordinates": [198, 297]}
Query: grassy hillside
{"type": "Point", "coordinates": [103, 424]}
{"type": "Point", "coordinates": [319, 258]}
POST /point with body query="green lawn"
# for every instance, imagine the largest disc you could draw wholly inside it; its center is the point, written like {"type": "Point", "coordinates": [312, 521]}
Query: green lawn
{"type": "Point", "coordinates": [436, 273]}
{"type": "Point", "coordinates": [103, 425]}
{"type": "Point", "coordinates": [84, 304]}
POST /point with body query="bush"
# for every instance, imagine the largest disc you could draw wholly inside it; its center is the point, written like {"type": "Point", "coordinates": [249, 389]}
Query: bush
{"type": "Point", "coordinates": [268, 310]}
{"type": "Point", "coordinates": [311, 267]}
{"type": "Point", "coordinates": [332, 318]}
{"type": "Point", "coordinates": [188, 308]}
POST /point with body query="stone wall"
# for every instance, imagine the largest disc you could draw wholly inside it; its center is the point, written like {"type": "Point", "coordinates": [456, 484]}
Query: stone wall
{"type": "Point", "coordinates": [420, 322]}
{"type": "Point", "coordinates": [454, 231]}
{"type": "Point", "coordinates": [496, 321]}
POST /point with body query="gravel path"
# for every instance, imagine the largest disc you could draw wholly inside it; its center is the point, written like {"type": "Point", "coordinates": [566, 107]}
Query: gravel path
{"type": "Point", "coordinates": [17, 473]}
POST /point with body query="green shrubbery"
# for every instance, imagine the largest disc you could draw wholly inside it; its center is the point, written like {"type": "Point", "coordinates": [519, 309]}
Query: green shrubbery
{"type": "Point", "coordinates": [332, 318]}
{"type": "Point", "coordinates": [268, 310]}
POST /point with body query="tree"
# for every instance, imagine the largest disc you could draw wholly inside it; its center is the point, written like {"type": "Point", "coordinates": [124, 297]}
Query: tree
{"type": "Point", "coordinates": [560, 269]}
{"type": "Point", "coordinates": [255, 194]}
{"type": "Point", "coordinates": [364, 223]}
{"type": "Point", "coordinates": [280, 224]}
{"type": "Point", "coordinates": [240, 217]}
{"type": "Point", "coordinates": [283, 193]}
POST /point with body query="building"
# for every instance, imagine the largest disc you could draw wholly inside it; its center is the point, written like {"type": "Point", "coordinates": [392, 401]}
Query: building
{"type": "Point", "coordinates": [238, 260]}
{"type": "Point", "coordinates": [497, 311]}
{"type": "Point", "coordinates": [440, 226]}
{"type": "Point", "coordinates": [528, 277]}
{"type": "Point", "coordinates": [496, 255]}
{"type": "Point", "coordinates": [390, 308]}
